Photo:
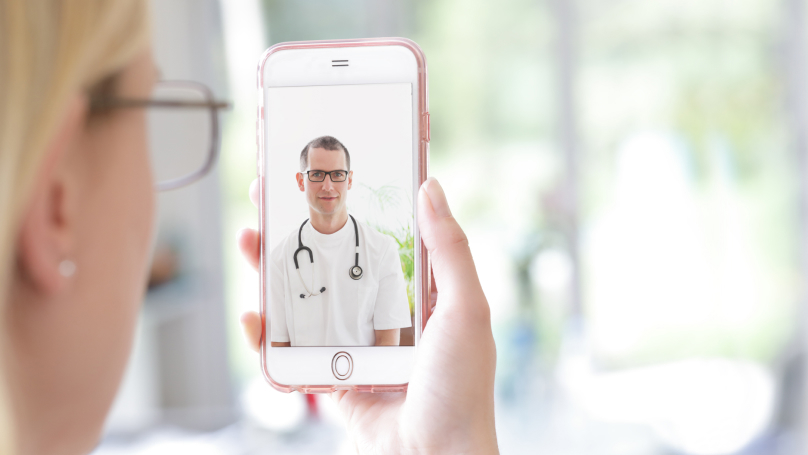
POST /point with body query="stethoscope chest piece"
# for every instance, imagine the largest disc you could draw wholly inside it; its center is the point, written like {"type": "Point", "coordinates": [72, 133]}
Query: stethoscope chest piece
{"type": "Point", "coordinates": [356, 272]}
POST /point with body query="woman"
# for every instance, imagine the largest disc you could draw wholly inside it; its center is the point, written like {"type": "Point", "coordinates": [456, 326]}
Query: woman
{"type": "Point", "coordinates": [76, 218]}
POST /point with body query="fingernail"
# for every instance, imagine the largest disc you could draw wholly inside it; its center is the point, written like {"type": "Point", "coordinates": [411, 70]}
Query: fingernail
{"type": "Point", "coordinates": [437, 197]}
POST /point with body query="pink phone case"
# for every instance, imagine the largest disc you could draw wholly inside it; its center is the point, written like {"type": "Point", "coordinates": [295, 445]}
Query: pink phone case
{"type": "Point", "coordinates": [423, 150]}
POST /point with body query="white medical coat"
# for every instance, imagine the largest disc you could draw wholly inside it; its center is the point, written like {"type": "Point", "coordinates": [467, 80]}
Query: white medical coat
{"type": "Point", "coordinates": [349, 311]}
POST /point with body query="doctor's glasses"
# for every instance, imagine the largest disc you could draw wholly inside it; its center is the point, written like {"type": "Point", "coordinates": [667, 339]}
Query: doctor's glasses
{"type": "Point", "coordinates": [319, 176]}
{"type": "Point", "coordinates": [183, 126]}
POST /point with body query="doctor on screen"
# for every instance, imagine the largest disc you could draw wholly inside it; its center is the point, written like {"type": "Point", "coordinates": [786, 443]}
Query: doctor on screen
{"type": "Point", "coordinates": [334, 281]}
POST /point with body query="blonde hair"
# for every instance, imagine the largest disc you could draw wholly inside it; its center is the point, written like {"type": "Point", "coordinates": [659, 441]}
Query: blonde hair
{"type": "Point", "coordinates": [50, 50]}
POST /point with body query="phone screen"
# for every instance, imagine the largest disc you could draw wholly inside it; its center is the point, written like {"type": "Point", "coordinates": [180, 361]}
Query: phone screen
{"type": "Point", "coordinates": [339, 177]}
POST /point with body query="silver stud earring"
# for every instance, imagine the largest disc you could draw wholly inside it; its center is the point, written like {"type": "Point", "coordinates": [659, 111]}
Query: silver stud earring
{"type": "Point", "coordinates": [67, 268]}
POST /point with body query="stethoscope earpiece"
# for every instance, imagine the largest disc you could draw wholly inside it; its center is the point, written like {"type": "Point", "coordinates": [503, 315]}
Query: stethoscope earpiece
{"type": "Point", "coordinates": [355, 272]}
{"type": "Point", "coordinates": [303, 296]}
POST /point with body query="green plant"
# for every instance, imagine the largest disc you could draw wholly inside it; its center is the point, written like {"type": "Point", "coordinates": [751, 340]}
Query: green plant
{"type": "Point", "coordinates": [384, 199]}
{"type": "Point", "coordinates": [406, 254]}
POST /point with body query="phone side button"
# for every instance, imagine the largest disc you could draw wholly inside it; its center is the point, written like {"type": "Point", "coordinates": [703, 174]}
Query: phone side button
{"type": "Point", "coordinates": [342, 365]}
{"type": "Point", "coordinates": [427, 135]}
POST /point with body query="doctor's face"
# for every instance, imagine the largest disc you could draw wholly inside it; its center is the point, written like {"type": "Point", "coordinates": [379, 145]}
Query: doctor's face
{"type": "Point", "coordinates": [326, 197]}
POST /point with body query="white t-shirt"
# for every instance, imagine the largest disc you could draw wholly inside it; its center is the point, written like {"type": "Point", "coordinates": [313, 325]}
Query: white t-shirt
{"type": "Point", "coordinates": [349, 311]}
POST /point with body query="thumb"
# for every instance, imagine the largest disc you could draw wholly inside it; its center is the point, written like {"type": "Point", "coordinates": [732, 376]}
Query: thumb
{"type": "Point", "coordinates": [452, 264]}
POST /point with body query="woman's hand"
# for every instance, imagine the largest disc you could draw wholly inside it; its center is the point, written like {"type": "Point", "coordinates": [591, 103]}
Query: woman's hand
{"type": "Point", "coordinates": [449, 404]}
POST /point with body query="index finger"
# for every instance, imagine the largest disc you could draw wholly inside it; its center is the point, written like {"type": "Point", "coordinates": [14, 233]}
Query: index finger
{"type": "Point", "coordinates": [453, 267]}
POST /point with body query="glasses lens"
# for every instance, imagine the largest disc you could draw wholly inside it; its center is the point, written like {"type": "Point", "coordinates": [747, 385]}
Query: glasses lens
{"type": "Point", "coordinates": [338, 176]}
{"type": "Point", "coordinates": [316, 176]}
{"type": "Point", "coordinates": [180, 136]}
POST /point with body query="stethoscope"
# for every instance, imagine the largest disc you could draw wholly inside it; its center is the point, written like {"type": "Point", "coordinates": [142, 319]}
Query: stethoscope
{"type": "Point", "coordinates": [355, 271]}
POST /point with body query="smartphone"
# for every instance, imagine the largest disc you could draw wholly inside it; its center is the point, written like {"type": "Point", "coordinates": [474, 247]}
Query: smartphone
{"type": "Point", "coordinates": [343, 144]}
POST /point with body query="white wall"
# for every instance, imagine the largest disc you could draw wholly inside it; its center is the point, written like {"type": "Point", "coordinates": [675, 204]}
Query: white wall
{"type": "Point", "coordinates": [373, 121]}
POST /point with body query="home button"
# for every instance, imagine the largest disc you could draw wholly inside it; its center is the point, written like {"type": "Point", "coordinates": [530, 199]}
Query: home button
{"type": "Point", "coordinates": [342, 365]}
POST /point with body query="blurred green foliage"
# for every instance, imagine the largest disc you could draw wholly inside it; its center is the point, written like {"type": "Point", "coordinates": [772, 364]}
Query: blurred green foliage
{"type": "Point", "coordinates": [383, 202]}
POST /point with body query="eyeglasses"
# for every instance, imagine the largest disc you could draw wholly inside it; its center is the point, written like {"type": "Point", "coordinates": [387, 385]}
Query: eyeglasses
{"type": "Point", "coordinates": [319, 176]}
{"type": "Point", "coordinates": [183, 125]}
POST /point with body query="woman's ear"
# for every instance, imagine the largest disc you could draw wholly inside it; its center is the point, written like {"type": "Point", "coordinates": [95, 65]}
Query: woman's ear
{"type": "Point", "coordinates": [46, 237]}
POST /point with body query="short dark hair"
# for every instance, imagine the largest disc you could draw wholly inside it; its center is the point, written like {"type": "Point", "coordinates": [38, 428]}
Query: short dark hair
{"type": "Point", "coordinates": [323, 142]}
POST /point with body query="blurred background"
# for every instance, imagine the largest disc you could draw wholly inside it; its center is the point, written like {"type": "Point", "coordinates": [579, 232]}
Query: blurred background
{"type": "Point", "coordinates": [633, 180]}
